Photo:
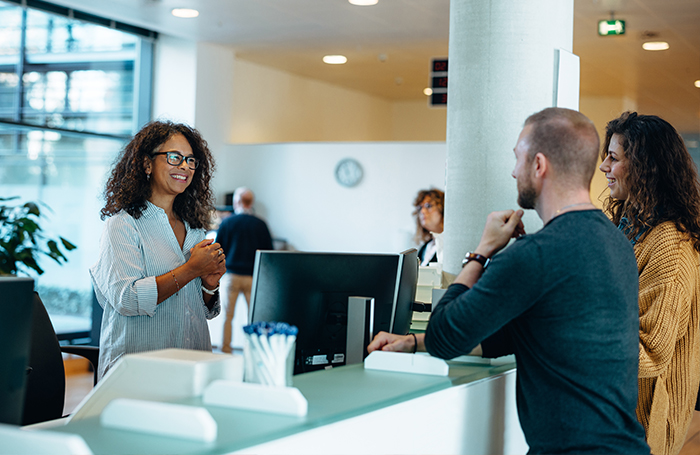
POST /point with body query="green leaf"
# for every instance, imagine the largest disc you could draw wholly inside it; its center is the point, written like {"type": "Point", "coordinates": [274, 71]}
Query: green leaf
{"type": "Point", "coordinates": [31, 263]}
{"type": "Point", "coordinates": [53, 246]}
{"type": "Point", "coordinates": [28, 225]}
{"type": "Point", "coordinates": [32, 208]}
{"type": "Point", "coordinates": [67, 245]}
{"type": "Point", "coordinates": [55, 253]}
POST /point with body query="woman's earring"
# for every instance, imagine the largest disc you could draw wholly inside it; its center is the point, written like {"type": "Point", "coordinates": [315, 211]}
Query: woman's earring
{"type": "Point", "coordinates": [148, 176]}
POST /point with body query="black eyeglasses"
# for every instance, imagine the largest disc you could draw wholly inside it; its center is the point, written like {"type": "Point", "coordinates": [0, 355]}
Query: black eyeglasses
{"type": "Point", "coordinates": [176, 159]}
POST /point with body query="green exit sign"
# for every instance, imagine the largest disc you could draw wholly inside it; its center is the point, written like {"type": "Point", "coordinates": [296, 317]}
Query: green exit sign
{"type": "Point", "coordinates": [614, 27]}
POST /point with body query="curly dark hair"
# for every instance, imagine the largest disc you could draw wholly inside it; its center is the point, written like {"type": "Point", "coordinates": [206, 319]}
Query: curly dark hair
{"type": "Point", "coordinates": [662, 179]}
{"type": "Point", "coordinates": [438, 197]}
{"type": "Point", "coordinates": [128, 187]}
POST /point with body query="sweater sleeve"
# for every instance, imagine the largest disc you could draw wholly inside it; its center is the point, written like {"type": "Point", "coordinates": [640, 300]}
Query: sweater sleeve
{"type": "Point", "coordinates": [666, 284]}
{"type": "Point", "coordinates": [465, 317]}
{"type": "Point", "coordinates": [494, 346]}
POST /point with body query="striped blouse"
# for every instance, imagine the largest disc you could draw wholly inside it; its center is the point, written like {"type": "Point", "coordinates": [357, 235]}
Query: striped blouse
{"type": "Point", "coordinates": [133, 252]}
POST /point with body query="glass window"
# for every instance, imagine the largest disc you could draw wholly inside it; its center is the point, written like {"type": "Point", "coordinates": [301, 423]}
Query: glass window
{"type": "Point", "coordinates": [66, 109]}
{"type": "Point", "coordinates": [10, 30]}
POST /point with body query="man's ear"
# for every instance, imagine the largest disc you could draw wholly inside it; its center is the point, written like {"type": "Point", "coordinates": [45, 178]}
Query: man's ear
{"type": "Point", "coordinates": [540, 165]}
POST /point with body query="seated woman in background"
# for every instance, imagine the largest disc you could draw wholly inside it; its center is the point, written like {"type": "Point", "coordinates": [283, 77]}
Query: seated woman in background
{"type": "Point", "coordinates": [157, 278]}
{"type": "Point", "coordinates": [430, 207]}
{"type": "Point", "coordinates": [655, 201]}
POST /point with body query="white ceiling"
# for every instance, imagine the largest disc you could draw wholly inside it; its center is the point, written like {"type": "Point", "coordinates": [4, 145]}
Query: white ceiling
{"type": "Point", "coordinates": [389, 46]}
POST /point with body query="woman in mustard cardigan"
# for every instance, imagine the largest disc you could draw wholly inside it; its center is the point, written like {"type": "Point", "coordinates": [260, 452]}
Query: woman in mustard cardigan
{"type": "Point", "coordinates": [655, 200]}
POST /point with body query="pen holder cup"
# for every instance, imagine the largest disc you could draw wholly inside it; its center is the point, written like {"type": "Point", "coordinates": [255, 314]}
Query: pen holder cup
{"type": "Point", "coordinates": [260, 369]}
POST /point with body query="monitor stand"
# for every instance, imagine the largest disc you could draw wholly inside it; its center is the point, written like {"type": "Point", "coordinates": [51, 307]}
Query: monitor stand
{"type": "Point", "coordinates": [360, 328]}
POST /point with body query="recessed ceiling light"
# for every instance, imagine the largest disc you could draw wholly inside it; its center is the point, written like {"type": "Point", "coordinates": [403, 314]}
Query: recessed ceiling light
{"type": "Point", "coordinates": [335, 59]}
{"type": "Point", "coordinates": [363, 2]}
{"type": "Point", "coordinates": [427, 91]}
{"type": "Point", "coordinates": [655, 46]}
{"type": "Point", "coordinates": [185, 13]}
{"type": "Point", "coordinates": [697, 83]}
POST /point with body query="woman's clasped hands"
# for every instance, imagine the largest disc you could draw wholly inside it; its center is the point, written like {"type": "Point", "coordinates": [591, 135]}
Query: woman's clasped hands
{"type": "Point", "coordinates": [208, 260]}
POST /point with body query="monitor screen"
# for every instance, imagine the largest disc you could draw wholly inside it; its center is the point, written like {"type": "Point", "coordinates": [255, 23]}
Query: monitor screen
{"type": "Point", "coordinates": [16, 303]}
{"type": "Point", "coordinates": [311, 291]}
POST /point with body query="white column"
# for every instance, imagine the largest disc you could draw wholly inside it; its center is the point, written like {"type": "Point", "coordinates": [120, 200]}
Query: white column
{"type": "Point", "coordinates": [174, 80]}
{"type": "Point", "coordinates": [214, 106]}
{"type": "Point", "coordinates": [502, 62]}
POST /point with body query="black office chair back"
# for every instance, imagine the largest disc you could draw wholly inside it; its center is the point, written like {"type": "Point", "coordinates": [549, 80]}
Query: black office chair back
{"type": "Point", "coordinates": [46, 379]}
{"type": "Point", "coordinates": [16, 297]}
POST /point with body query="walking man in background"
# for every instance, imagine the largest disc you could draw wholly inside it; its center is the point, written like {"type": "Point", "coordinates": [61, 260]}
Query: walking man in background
{"type": "Point", "coordinates": [240, 235]}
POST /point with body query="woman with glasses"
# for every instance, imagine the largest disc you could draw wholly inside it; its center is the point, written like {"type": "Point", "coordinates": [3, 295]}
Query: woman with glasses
{"type": "Point", "coordinates": [157, 278]}
{"type": "Point", "coordinates": [655, 200]}
{"type": "Point", "coordinates": [430, 206]}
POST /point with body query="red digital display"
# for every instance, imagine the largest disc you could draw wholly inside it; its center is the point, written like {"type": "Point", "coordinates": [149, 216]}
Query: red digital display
{"type": "Point", "coordinates": [439, 65]}
{"type": "Point", "coordinates": [438, 99]}
{"type": "Point", "coordinates": [439, 82]}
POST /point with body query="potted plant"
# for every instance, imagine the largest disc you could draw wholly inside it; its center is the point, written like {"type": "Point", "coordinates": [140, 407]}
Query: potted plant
{"type": "Point", "coordinates": [22, 241]}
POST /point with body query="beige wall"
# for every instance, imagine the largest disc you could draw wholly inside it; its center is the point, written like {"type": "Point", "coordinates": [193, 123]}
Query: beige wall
{"type": "Point", "coordinates": [415, 121]}
{"type": "Point", "coordinates": [271, 106]}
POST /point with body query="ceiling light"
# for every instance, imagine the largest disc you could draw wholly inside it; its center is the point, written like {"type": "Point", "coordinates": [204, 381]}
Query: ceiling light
{"type": "Point", "coordinates": [655, 46]}
{"type": "Point", "coordinates": [363, 2]}
{"type": "Point", "coordinates": [335, 59]}
{"type": "Point", "coordinates": [697, 83]}
{"type": "Point", "coordinates": [185, 13]}
{"type": "Point", "coordinates": [427, 91]}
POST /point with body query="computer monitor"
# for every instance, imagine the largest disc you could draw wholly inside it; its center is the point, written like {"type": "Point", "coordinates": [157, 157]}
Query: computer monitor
{"type": "Point", "coordinates": [16, 303]}
{"type": "Point", "coordinates": [311, 291]}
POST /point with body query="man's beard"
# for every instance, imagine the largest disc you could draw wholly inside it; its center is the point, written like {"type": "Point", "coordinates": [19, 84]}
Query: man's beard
{"type": "Point", "coordinates": [527, 196]}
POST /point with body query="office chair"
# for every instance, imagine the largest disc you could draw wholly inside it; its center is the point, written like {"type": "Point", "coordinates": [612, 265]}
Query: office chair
{"type": "Point", "coordinates": [46, 380]}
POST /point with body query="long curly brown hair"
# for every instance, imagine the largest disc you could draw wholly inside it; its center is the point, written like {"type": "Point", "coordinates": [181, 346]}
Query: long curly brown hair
{"type": "Point", "coordinates": [438, 197]}
{"type": "Point", "coordinates": [662, 179]}
{"type": "Point", "coordinates": [128, 187]}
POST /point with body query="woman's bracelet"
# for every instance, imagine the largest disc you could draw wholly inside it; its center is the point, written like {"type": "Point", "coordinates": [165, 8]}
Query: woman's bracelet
{"type": "Point", "coordinates": [415, 341]}
{"type": "Point", "coordinates": [176, 283]}
{"type": "Point", "coordinates": [210, 292]}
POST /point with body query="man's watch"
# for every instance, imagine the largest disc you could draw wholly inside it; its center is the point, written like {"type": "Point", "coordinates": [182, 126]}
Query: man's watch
{"type": "Point", "coordinates": [483, 260]}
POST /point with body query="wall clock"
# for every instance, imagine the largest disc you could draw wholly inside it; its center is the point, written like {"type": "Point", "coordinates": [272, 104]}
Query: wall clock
{"type": "Point", "coordinates": [348, 172]}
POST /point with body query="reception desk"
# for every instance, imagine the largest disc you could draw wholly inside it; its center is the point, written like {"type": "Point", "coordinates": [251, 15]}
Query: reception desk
{"type": "Point", "coordinates": [353, 410]}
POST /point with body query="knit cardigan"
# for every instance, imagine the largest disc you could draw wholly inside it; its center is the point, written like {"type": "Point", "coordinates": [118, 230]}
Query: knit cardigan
{"type": "Point", "coordinates": [669, 336]}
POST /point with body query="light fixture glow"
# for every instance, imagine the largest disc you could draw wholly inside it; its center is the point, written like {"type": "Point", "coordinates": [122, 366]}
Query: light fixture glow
{"type": "Point", "coordinates": [185, 13]}
{"type": "Point", "coordinates": [363, 2]}
{"type": "Point", "coordinates": [655, 46]}
{"type": "Point", "coordinates": [427, 91]}
{"type": "Point", "coordinates": [335, 59]}
{"type": "Point", "coordinates": [697, 83]}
